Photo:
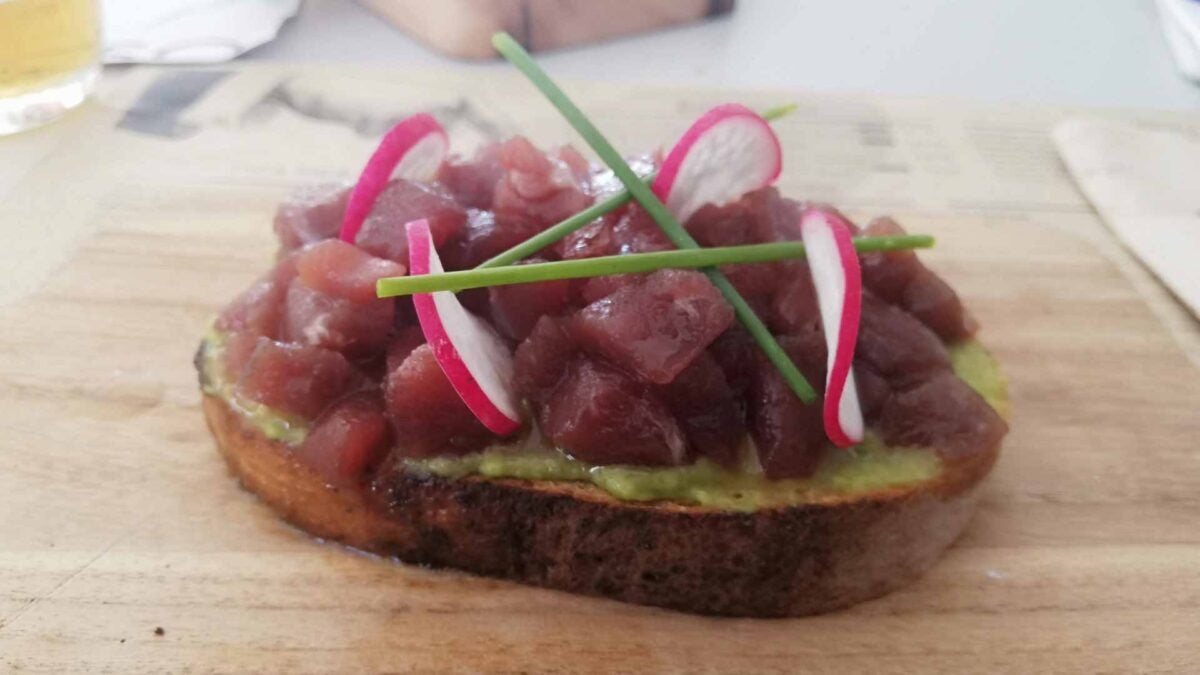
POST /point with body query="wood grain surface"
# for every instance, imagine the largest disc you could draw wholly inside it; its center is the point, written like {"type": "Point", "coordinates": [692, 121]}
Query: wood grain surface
{"type": "Point", "coordinates": [132, 222]}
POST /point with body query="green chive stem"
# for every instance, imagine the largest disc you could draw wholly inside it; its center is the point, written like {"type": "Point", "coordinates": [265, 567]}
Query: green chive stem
{"type": "Point", "coordinates": [772, 114]}
{"type": "Point", "coordinates": [633, 263]}
{"type": "Point", "coordinates": [516, 54]}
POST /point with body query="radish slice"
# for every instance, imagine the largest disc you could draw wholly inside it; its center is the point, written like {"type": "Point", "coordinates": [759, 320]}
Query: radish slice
{"type": "Point", "coordinates": [412, 149]}
{"type": "Point", "coordinates": [728, 152]}
{"type": "Point", "coordinates": [838, 280]}
{"type": "Point", "coordinates": [474, 359]}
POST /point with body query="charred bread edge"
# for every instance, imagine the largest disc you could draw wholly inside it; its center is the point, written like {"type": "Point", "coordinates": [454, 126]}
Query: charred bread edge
{"type": "Point", "coordinates": [791, 561]}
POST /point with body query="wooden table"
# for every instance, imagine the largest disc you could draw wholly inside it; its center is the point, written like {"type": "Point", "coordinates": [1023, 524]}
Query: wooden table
{"type": "Point", "coordinates": [126, 226]}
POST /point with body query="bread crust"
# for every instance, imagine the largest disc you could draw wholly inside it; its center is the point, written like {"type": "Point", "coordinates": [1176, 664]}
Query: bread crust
{"type": "Point", "coordinates": [791, 561]}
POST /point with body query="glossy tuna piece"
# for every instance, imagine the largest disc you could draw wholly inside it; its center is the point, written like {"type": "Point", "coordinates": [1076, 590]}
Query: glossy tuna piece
{"type": "Point", "coordinates": [349, 438]}
{"type": "Point", "coordinates": [485, 238]}
{"type": "Point", "coordinates": [591, 290]}
{"type": "Point", "coordinates": [943, 413]}
{"type": "Point", "coordinates": [794, 306]}
{"type": "Point", "coordinates": [236, 353]}
{"type": "Point", "coordinates": [636, 232]}
{"type": "Point", "coordinates": [900, 278]}
{"type": "Point", "coordinates": [655, 328]}
{"type": "Point", "coordinates": [888, 273]}
{"type": "Point", "coordinates": [310, 214]}
{"type": "Point", "coordinates": [343, 270]}
{"type": "Point", "coordinates": [382, 234]}
{"type": "Point", "coordinates": [601, 416]}
{"type": "Point", "coordinates": [776, 218]}
{"type": "Point", "coordinates": [428, 416]}
{"type": "Point", "coordinates": [537, 188]}
{"type": "Point", "coordinates": [896, 345]}
{"type": "Point", "coordinates": [935, 304]}
{"type": "Point", "coordinates": [789, 435]}
{"type": "Point", "coordinates": [294, 379]}
{"type": "Point", "coordinates": [711, 415]}
{"type": "Point", "coordinates": [542, 360]}
{"type": "Point", "coordinates": [736, 353]}
{"type": "Point", "coordinates": [735, 224]}
{"type": "Point", "coordinates": [473, 181]}
{"type": "Point", "coordinates": [322, 320]}
{"type": "Point", "coordinates": [590, 241]}
{"type": "Point", "coordinates": [516, 308]}
{"type": "Point", "coordinates": [259, 309]}
{"type": "Point", "coordinates": [873, 390]}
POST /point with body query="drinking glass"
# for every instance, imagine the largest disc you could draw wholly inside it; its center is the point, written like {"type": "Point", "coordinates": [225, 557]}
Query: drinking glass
{"type": "Point", "coordinates": [49, 59]}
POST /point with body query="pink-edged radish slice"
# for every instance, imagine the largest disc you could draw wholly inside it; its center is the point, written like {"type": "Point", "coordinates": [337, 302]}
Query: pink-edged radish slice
{"type": "Point", "coordinates": [728, 152]}
{"type": "Point", "coordinates": [837, 277]}
{"type": "Point", "coordinates": [473, 357]}
{"type": "Point", "coordinates": [412, 149]}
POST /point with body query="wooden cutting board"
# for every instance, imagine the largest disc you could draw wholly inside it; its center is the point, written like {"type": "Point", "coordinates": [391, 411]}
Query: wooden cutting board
{"type": "Point", "coordinates": [128, 225]}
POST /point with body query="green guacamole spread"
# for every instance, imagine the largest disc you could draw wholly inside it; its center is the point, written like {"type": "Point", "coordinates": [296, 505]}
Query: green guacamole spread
{"type": "Point", "coordinates": [869, 466]}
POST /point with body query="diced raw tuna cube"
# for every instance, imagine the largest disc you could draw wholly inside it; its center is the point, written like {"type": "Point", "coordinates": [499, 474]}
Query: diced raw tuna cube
{"type": "Point", "coordinates": [573, 160]}
{"type": "Point", "coordinates": [427, 415]}
{"type": "Point", "coordinates": [636, 232]}
{"type": "Point", "coordinates": [590, 241]}
{"type": "Point", "coordinates": [311, 213]}
{"type": "Point", "coordinates": [542, 359]}
{"type": "Point", "coordinates": [712, 416]}
{"type": "Point", "coordinates": [936, 305]}
{"type": "Point", "coordinates": [900, 278]}
{"type": "Point", "coordinates": [259, 309]}
{"type": "Point", "coordinates": [730, 224]}
{"type": "Point", "coordinates": [887, 273]}
{"type": "Point", "coordinates": [350, 438]}
{"type": "Point", "coordinates": [895, 344]}
{"type": "Point", "coordinates": [789, 435]}
{"type": "Point", "coordinates": [484, 238]}
{"type": "Point", "coordinates": [405, 341]}
{"type": "Point", "coordinates": [353, 328]}
{"type": "Point", "coordinates": [873, 390]}
{"type": "Point", "coordinates": [591, 290]}
{"type": "Point", "coordinates": [516, 308]}
{"type": "Point", "coordinates": [238, 349]}
{"type": "Point", "coordinates": [536, 188]}
{"type": "Point", "coordinates": [294, 379]}
{"type": "Point", "coordinates": [794, 306]}
{"type": "Point", "coordinates": [343, 270]}
{"type": "Point", "coordinates": [382, 234]}
{"type": "Point", "coordinates": [601, 416]}
{"type": "Point", "coordinates": [944, 413]}
{"type": "Point", "coordinates": [736, 352]}
{"type": "Point", "coordinates": [473, 181]}
{"type": "Point", "coordinates": [657, 327]}
{"type": "Point", "coordinates": [776, 218]}
{"type": "Point", "coordinates": [734, 225]}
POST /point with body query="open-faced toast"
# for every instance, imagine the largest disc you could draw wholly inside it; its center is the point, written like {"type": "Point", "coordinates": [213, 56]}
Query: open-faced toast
{"type": "Point", "coordinates": [798, 560]}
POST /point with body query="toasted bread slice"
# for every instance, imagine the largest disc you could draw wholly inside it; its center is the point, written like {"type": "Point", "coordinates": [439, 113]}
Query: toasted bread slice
{"type": "Point", "coordinates": [802, 559]}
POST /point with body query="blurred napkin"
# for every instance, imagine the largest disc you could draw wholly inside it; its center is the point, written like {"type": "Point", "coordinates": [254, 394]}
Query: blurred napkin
{"type": "Point", "coordinates": [1144, 180]}
{"type": "Point", "coordinates": [189, 31]}
{"type": "Point", "coordinates": [1181, 25]}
